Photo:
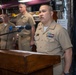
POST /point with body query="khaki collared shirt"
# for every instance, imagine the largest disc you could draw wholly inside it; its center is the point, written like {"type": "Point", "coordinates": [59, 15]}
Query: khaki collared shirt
{"type": "Point", "coordinates": [24, 20]}
{"type": "Point", "coordinates": [24, 35]}
{"type": "Point", "coordinates": [7, 40]}
{"type": "Point", "coordinates": [5, 28]}
{"type": "Point", "coordinates": [52, 41]}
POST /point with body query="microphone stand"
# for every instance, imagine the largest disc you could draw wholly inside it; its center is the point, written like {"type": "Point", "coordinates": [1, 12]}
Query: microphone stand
{"type": "Point", "coordinates": [8, 33]}
{"type": "Point", "coordinates": [19, 30]}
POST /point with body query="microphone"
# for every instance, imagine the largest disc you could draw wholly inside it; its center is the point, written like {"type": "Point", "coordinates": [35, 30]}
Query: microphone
{"type": "Point", "coordinates": [27, 27]}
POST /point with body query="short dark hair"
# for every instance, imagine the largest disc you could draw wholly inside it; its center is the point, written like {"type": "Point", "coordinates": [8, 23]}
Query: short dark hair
{"type": "Point", "coordinates": [49, 6]}
{"type": "Point", "coordinates": [22, 3]}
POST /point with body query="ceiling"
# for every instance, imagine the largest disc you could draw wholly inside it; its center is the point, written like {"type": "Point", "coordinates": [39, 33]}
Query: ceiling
{"type": "Point", "coordinates": [11, 3]}
{"type": "Point", "coordinates": [5, 1]}
{"type": "Point", "coordinates": [33, 1]}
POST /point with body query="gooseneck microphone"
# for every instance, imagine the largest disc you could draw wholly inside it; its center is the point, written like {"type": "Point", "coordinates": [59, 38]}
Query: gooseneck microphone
{"type": "Point", "coordinates": [19, 29]}
{"type": "Point", "coordinates": [27, 27]}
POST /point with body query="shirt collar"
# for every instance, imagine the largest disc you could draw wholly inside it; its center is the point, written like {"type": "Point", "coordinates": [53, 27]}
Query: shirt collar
{"type": "Point", "coordinates": [24, 15]}
{"type": "Point", "coordinates": [50, 26]}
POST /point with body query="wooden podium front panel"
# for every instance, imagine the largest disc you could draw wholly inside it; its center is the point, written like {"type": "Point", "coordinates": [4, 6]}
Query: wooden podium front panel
{"type": "Point", "coordinates": [12, 62]}
{"type": "Point", "coordinates": [19, 63]}
{"type": "Point", "coordinates": [41, 61]}
{"type": "Point", "coordinates": [45, 71]}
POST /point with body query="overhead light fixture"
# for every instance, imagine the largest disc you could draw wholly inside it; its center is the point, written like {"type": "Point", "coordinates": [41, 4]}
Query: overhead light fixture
{"type": "Point", "coordinates": [21, 1]}
{"type": "Point", "coordinates": [0, 6]}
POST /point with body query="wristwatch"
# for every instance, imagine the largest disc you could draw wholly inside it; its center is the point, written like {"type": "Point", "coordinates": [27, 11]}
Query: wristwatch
{"type": "Point", "coordinates": [66, 73]}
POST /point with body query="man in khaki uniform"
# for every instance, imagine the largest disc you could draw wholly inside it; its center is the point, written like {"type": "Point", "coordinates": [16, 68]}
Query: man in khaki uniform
{"type": "Point", "coordinates": [26, 37]}
{"type": "Point", "coordinates": [7, 41]}
{"type": "Point", "coordinates": [51, 38]}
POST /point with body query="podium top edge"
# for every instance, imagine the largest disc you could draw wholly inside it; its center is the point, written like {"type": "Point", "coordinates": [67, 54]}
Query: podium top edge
{"type": "Point", "coordinates": [20, 52]}
{"type": "Point", "coordinates": [23, 53]}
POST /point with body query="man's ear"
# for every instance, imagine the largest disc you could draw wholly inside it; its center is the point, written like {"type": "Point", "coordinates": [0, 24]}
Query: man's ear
{"type": "Point", "coordinates": [52, 13]}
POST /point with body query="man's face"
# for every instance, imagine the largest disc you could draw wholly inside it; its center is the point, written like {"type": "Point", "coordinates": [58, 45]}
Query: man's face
{"type": "Point", "coordinates": [45, 14]}
{"type": "Point", "coordinates": [22, 8]}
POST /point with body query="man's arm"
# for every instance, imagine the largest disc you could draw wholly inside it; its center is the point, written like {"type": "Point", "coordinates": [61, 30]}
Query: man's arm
{"type": "Point", "coordinates": [68, 60]}
{"type": "Point", "coordinates": [32, 35]}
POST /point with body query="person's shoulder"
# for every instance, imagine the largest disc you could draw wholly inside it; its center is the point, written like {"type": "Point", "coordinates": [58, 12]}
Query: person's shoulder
{"type": "Point", "coordinates": [61, 29]}
{"type": "Point", "coordinates": [29, 15]}
{"type": "Point", "coordinates": [58, 26]}
{"type": "Point", "coordinates": [39, 25]}
{"type": "Point", "coordinates": [18, 15]}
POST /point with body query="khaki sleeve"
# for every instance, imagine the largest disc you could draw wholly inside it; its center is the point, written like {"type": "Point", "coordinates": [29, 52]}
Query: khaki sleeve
{"type": "Point", "coordinates": [64, 39]}
{"type": "Point", "coordinates": [31, 20]}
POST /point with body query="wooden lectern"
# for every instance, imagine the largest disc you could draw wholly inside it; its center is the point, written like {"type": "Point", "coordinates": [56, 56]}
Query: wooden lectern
{"type": "Point", "coordinates": [26, 63]}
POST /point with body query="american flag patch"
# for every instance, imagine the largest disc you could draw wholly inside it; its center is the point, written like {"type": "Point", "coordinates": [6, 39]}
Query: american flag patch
{"type": "Point", "coordinates": [50, 35]}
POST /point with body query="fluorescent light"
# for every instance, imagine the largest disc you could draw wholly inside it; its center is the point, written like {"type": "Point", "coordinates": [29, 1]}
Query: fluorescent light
{"type": "Point", "coordinates": [24, 1]}
{"type": "Point", "coordinates": [0, 6]}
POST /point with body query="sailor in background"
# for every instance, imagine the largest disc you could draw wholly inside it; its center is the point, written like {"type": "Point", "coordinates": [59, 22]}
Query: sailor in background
{"type": "Point", "coordinates": [6, 41]}
{"type": "Point", "coordinates": [26, 37]}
